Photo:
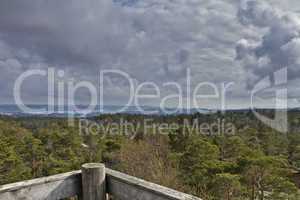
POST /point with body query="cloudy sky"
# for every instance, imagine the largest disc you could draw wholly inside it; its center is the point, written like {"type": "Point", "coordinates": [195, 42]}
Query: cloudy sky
{"type": "Point", "coordinates": [157, 41]}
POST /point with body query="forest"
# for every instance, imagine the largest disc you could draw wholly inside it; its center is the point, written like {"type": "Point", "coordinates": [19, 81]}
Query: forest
{"type": "Point", "coordinates": [253, 162]}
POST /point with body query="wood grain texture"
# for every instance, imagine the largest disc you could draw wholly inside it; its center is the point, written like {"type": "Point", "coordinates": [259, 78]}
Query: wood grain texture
{"type": "Point", "coordinates": [48, 188]}
{"type": "Point", "coordinates": [125, 187]}
{"type": "Point", "coordinates": [93, 181]}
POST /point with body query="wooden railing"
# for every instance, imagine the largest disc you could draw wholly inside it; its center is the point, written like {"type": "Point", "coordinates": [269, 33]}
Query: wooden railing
{"type": "Point", "coordinates": [93, 182]}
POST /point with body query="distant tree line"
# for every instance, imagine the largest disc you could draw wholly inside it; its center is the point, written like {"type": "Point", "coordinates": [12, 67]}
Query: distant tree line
{"type": "Point", "coordinates": [255, 163]}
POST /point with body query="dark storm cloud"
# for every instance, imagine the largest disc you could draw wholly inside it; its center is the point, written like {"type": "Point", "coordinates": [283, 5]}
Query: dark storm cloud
{"type": "Point", "coordinates": [277, 48]}
{"type": "Point", "coordinates": [65, 32]}
{"type": "Point", "coordinates": [153, 40]}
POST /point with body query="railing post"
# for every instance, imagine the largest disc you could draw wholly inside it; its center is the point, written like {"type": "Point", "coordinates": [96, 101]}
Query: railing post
{"type": "Point", "coordinates": [93, 181]}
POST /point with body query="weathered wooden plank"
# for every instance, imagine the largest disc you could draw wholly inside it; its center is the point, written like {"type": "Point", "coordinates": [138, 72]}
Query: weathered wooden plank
{"type": "Point", "coordinates": [93, 181]}
{"type": "Point", "coordinates": [125, 187]}
{"type": "Point", "coordinates": [119, 185]}
{"type": "Point", "coordinates": [48, 188]}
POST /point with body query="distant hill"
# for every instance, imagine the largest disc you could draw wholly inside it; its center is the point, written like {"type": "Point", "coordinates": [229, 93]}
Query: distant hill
{"type": "Point", "coordinates": [41, 110]}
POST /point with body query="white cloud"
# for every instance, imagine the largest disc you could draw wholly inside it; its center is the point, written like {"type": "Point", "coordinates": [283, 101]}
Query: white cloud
{"type": "Point", "coordinates": [277, 47]}
{"type": "Point", "coordinates": [152, 40]}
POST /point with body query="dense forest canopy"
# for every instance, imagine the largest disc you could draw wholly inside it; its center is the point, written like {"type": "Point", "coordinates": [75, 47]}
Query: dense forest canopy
{"type": "Point", "coordinates": [253, 162]}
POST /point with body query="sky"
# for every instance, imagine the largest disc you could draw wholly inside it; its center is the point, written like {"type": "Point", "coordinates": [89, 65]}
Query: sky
{"type": "Point", "coordinates": [221, 42]}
